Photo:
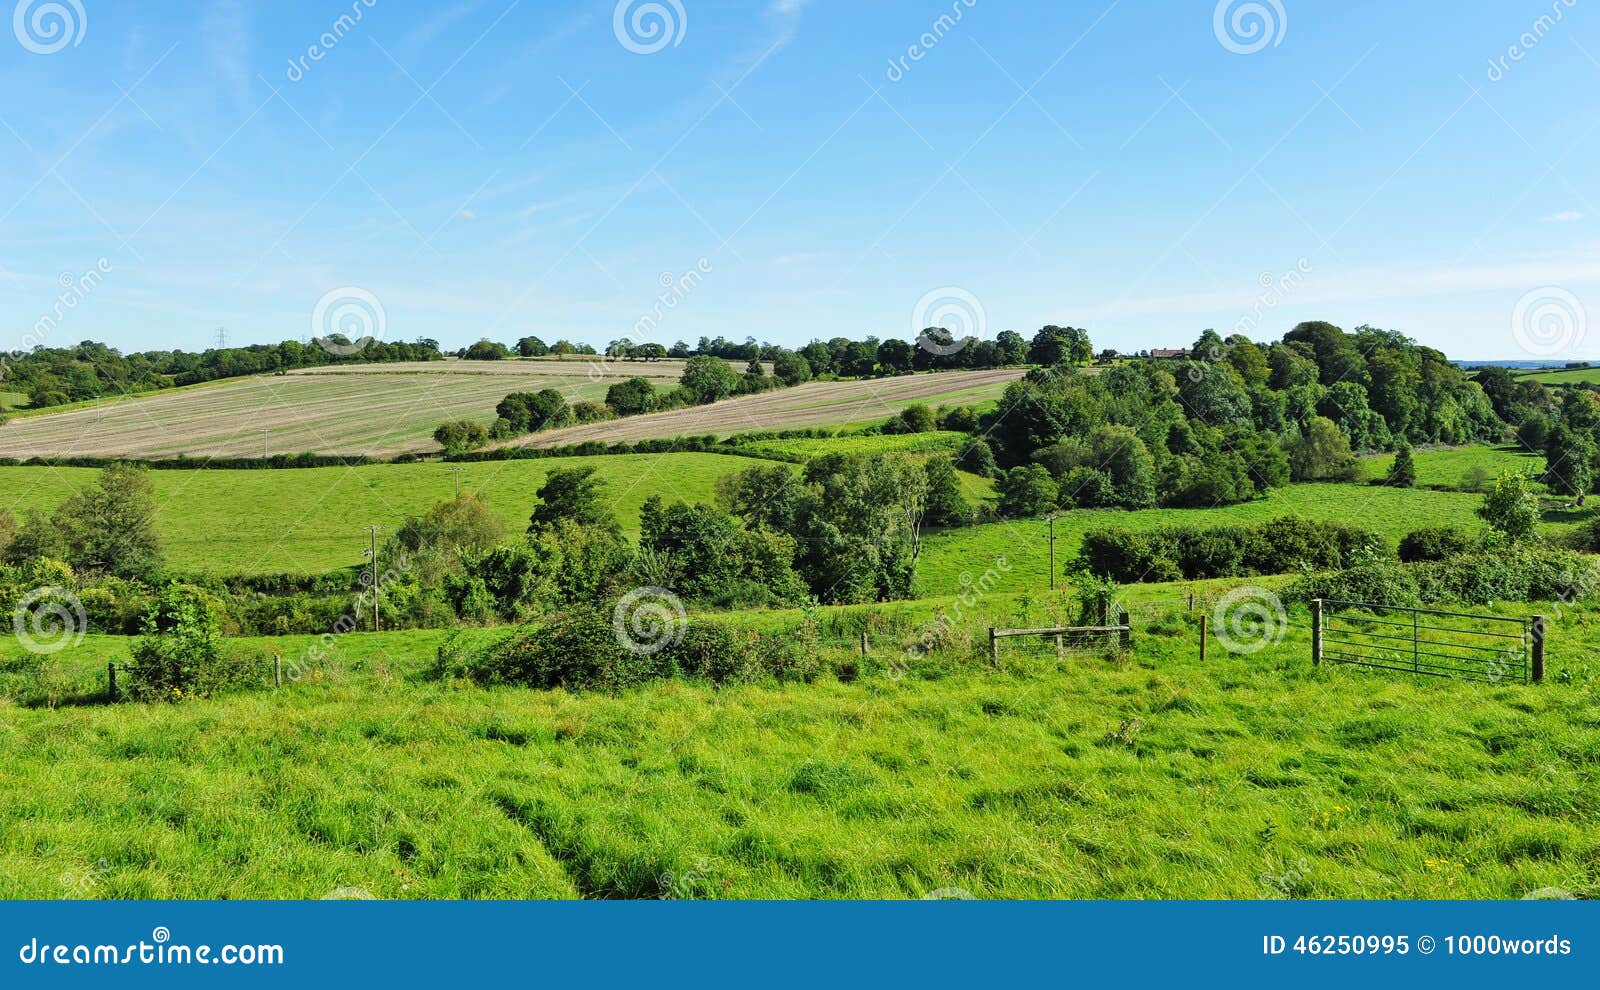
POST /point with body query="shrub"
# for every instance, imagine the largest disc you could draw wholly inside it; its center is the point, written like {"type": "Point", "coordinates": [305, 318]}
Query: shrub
{"type": "Point", "coordinates": [1434, 543]}
{"type": "Point", "coordinates": [1516, 572]}
{"type": "Point", "coordinates": [1172, 552]}
{"type": "Point", "coordinates": [462, 434]}
{"type": "Point", "coordinates": [591, 412]}
{"type": "Point", "coordinates": [180, 654]}
{"type": "Point", "coordinates": [1028, 491]}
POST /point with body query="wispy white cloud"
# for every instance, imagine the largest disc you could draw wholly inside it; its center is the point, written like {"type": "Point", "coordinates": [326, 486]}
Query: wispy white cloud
{"type": "Point", "coordinates": [1566, 216]}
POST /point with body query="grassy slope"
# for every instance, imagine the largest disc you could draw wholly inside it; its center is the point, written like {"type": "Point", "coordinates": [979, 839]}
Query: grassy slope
{"type": "Point", "coordinates": [1446, 468]}
{"type": "Point", "coordinates": [1248, 776]}
{"type": "Point", "coordinates": [1562, 376]}
{"type": "Point", "coordinates": [312, 520]}
{"type": "Point", "coordinates": [1390, 512]}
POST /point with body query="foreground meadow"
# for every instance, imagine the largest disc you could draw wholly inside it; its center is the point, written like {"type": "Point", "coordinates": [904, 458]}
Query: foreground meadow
{"type": "Point", "coordinates": [1150, 775]}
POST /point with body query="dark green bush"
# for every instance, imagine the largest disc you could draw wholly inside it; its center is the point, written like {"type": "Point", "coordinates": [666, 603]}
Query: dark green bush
{"type": "Point", "coordinates": [1435, 543]}
{"type": "Point", "coordinates": [1171, 552]}
{"type": "Point", "coordinates": [1513, 573]}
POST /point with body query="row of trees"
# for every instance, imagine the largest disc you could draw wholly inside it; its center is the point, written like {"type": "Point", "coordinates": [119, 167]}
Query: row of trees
{"type": "Point", "coordinates": [52, 376]}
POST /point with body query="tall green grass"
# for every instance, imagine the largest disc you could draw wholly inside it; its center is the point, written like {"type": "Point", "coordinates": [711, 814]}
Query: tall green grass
{"type": "Point", "coordinates": [1248, 776]}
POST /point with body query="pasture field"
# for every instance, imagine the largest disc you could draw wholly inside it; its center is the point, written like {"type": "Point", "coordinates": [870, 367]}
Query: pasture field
{"type": "Point", "coordinates": [1448, 468]}
{"type": "Point", "coordinates": [312, 520]}
{"type": "Point", "coordinates": [1148, 776]}
{"type": "Point", "coordinates": [1389, 512]}
{"type": "Point", "coordinates": [809, 447]}
{"type": "Point", "coordinates": [810, 405]}
{"type": "Point", "coordinates": [378, 409]}
{"type": "Point", "coordinates": [1564, 376]}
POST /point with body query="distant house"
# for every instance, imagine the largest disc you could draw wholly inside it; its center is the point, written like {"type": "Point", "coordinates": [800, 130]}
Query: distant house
{"type": "Point", "coordinates": [1170, 353]}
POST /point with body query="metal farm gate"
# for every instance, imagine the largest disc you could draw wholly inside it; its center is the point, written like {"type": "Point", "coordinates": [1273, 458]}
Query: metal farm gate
{"type": "Point", "coordinates": [1489, 648]}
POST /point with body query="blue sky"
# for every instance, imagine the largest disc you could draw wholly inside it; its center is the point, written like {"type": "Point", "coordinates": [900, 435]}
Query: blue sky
{"type": "Point", "coordinates": [501, 168]}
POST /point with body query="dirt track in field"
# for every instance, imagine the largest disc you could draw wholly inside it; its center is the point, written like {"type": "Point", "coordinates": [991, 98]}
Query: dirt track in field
{"type": "Point", "coordinates": [809, 405]}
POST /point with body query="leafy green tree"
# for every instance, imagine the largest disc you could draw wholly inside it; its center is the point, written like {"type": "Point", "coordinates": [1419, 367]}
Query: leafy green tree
{"type": "Point", "coordinates": [109, 528]}
{"type": "Point", "coordinates": [895, 356]}
{"type": "Point", "coordinates": [461, 434]}
{"type": "Point", "coordinates": [977, 457]}
{"type": "Point", "coordinates": [1028, 491]}
{"type": "Point", "coordinates": [915, 418]}
{"type": "Point", "coordinates": [791, 368]}
{"type": "Point", "coordinates": [946, 505]}
{"type": "Point", "coordinates": [1403, 472]}
{"type": "Point", "coordinates": [631, 397]}
{"type": "Point", "coordinates": [532, 347]}
{"type": "Point", "coordinates": [576, 494]}
{"type": "Point", "coordinates": [1321, 453]}
{"type": "Point", "coordinates": [1512, 507]}
{"type": "Point", "coordinates": [709, 378]}
{"type": "Point", "coordinates": [1126, 461]}
{"type": "Point", "coordinates": [460, 527]}
{"type": "Point", "coordinates": [530, 412]}
{"type": "Point", "coordinates": [1569, 458]}
{"type": "Point", "coordinates": [486, 350]}
{"type": "Point", "coordinates": [701, 553]}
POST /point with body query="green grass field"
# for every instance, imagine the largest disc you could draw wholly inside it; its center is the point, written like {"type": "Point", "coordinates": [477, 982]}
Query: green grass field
{"type": "Point", "coordinates": [1564, 376]}
{"type": "Point", "coordinates": [1448, 468]}
{"type": "Point", "coordinates": [312, 520]}
{"type": "Point", "coordinates": [870, 444]}
{"type": "Point", "coordinates": [1024, 544]}
{"type": "Point", "coordinates": [1152, 777]}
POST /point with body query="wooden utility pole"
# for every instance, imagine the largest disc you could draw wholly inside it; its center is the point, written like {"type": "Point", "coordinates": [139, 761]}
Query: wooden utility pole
{"type": "Point", "coordinates": [264, 454]}
{"type": "Point", "coordinates": [372, 554]}
{"type": "Point", "coordinates": [457, 472]}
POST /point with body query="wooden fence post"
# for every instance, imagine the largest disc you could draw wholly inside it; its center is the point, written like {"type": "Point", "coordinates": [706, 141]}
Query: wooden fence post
{"type": "Point", "coordinates": [994, 647]}
{"type": "Point", "coordinates": [1316, 632]}
{"type": "Point", "coordinates": [277, 670]}
{"type": "Point", "coordinates": [1204, 621]}
{"type": "Point", "coordinates": [1126, 635]}
{"type": "Point", "coordinates": [1061, 652]}
{"type": "Point", "coordinates": [863, 642]}
{"type": "Point", "coordinates": [111, 681]}
{"type": "Point", "coordinates": [1538, 648]}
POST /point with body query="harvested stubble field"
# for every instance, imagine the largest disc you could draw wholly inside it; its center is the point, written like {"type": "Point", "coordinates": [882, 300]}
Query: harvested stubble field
{"type": "Point", "coordinates": [810, 405]}
{"type": "Point", "coordinates": [377, 410]}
